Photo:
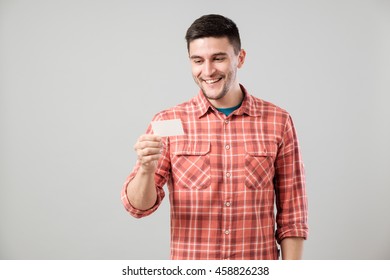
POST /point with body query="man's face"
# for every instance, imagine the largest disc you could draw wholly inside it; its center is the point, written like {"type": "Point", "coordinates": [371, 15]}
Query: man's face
{"type": "Point", "coordinates": [214, 66]}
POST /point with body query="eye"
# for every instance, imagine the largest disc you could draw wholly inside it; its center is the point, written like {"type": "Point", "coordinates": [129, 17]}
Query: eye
{"type": "Point", "coordinates": [197, 61]}
{"type": "Point", "coordinates": [219, 58]}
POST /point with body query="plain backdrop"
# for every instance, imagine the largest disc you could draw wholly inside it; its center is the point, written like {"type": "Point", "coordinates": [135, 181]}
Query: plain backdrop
{"type": "Point", "coordinates": [80, 80]}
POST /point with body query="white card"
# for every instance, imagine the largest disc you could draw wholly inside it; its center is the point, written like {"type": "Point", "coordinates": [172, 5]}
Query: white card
{"type": "Point", "coordinates": [168, 127]}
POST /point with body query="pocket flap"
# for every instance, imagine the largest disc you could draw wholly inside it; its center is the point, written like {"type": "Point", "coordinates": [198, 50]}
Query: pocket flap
{"type": "Point", "coordinates": [261, 149]}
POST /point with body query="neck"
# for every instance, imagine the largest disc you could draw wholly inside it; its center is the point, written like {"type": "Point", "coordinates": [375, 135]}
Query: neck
{"type": "Point", "coordinates": [232, 98]}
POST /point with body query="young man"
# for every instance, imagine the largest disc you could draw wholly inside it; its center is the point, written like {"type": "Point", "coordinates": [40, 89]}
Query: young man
{"type": "Point", "coordinates": [239, 155]}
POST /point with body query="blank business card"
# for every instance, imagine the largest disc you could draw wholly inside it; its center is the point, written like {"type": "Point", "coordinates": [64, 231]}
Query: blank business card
{"type": "Point", "coordinates": [168, 127]}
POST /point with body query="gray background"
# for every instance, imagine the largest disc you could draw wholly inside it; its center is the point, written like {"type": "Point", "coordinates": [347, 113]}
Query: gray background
{"type": "Point", "coordinates": [80, 80]}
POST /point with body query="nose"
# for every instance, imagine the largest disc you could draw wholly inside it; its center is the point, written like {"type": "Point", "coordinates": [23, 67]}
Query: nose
{"type": "Point", "coordinates": [208, 68]}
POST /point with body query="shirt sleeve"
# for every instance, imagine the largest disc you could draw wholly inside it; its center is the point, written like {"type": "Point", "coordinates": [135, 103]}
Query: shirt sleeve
{"type": "Point", "coordinates": [290, 187]}
{"type": "Point", "coordinates": [161, 176]}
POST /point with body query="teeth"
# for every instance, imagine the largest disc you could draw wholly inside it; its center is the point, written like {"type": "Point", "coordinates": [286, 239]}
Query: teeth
{"type": "Point", "coordinates": [211, 81]}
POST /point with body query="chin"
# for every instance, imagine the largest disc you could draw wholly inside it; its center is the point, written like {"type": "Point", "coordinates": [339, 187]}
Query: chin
{"type": "Point", "coordinates": [214, 96]}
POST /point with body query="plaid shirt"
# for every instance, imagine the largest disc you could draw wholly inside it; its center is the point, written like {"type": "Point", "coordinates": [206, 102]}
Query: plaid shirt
{"type": "Point", "coordinates": [223, 177]}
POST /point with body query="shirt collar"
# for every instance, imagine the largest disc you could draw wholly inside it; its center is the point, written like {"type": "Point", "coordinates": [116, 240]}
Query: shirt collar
{"type": "Point", "coordinates": [247, 107]}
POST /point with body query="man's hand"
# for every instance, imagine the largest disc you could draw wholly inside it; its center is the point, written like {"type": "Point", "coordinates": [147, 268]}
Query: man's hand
{"type": "Point", "coordinates": [148, 148]}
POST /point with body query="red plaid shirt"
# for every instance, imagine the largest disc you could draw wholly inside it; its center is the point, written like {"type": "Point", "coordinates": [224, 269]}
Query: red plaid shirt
{"type": "Point", "coordinates": [223, 177]}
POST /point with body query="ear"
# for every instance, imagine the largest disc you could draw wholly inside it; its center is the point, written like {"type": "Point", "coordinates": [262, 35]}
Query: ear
{"type": "Point", "coordinates": [241, 58]}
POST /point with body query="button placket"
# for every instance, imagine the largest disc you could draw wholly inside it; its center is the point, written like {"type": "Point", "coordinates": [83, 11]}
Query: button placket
{"type": "Point", "coordinates": [226, 198]}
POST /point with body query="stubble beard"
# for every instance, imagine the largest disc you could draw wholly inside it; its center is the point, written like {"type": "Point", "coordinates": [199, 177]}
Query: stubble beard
{"type": "Point", "coordinates": [227, 79]}
{"type": "Point", "coordinates": [219, 96]}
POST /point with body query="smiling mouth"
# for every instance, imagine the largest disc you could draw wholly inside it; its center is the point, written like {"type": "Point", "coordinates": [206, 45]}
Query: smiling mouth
{"type": "Point", "coordinates": [212, 81]}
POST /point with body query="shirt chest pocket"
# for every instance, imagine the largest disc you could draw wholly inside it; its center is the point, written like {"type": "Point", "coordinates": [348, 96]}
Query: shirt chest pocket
{"type": "Point", "coordinates": [190, 163]}
{"type": "Point", "coordinates": [259, 165]}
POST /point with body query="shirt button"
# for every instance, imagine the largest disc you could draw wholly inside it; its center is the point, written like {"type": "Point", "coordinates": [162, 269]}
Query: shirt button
{"type": "Point", "coordinates": [227, 232]}
{"type": "Point", "coordinates": [227, 147]}
{"type": "Point", "coordinates": [228, 175]}
{"type": "Point", "coordinates": [227, 204]}
{"type": "Point", "coordinates": [226, 121]}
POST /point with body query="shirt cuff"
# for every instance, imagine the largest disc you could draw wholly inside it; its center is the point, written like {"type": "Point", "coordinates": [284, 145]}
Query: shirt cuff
{"type": "Point", "coordinates": [138, 213]}
{"type": "Point", "coordinates": [295, 230]}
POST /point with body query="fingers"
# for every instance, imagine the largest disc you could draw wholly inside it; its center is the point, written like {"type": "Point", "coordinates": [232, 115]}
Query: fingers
{"type": "Point", "coordinates": [149, 137]}
{"type": "Point", "coordinates": [148, 148]}
{"type": "Point", "coordinates": [148, 142]}
{"type": "Point", "coordinates": [149, 153]}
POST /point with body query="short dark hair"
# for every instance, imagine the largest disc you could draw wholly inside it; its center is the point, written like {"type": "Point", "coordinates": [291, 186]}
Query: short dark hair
{"type": "Point", "coordinates": [214, 26]}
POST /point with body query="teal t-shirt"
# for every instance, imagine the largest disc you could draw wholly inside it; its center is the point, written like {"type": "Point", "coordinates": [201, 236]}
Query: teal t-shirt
{"type": "Point", "coordinates": [228, 111]}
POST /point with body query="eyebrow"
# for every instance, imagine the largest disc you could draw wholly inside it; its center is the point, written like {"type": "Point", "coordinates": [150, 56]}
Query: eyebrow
{"type": "Point", "coordinates": [213, 55]}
